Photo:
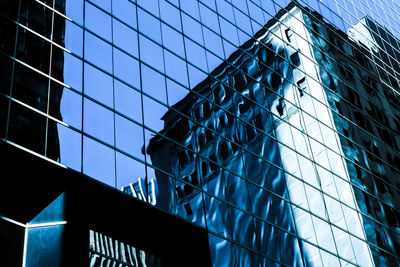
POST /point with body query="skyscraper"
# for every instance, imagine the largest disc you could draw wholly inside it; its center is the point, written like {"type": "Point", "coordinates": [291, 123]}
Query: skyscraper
{"type": "Point", "coordinates": [272, 125]}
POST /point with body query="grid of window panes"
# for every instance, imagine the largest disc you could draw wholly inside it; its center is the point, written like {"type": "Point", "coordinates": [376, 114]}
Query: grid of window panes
{"type": "Point", "coordinates": [87, 83]}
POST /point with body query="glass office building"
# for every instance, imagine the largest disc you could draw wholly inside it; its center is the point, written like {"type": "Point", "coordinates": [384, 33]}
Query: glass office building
{"type": "Point", "coordinates": [275, 125]}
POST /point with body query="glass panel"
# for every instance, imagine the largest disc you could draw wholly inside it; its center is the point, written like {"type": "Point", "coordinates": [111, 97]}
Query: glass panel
{"type": "Point", "coordinates": [126, 68]}
{"type": "Point", "coordinates": [125, 11]}
{"type": "Point", "coordinates": [98, 121]}
{"type": "Point", "coordinates": [98, 161]}
{"type": "Point", "coordinates": [98, 21]}
{"type": "Point", "coordinates": [70, 147]}
{"type": "Point", "coordinates": [98, 52]}
{"type": "Point", "coordinates": [125, 38]}
{"type": "Point", "coordinates": [98, 85]}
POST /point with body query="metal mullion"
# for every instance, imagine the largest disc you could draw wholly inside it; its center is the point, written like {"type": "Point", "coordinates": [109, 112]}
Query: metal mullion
{"type": "Point", "coordinates": [12, 71]}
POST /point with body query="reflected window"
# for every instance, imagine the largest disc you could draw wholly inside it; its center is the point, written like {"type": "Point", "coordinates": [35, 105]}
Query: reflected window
{"type": "Point", "coordinates": [281, 105]}
{"type": "Point", "coordinates": [288, 34]}
{"type": "Point", "coordinates": [302, 86]}
{"type": "Point", "coordinates": [295, 59]}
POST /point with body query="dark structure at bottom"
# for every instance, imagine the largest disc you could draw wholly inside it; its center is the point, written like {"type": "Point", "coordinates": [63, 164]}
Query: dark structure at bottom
{"type": "Point", "coordinates": [81, 222]}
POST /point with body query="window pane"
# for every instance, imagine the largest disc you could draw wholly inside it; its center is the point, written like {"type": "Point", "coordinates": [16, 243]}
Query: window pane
{"type": "Point", "coordinates": [126, 11]}
{"type": "Point", "coordinates": [98, 85]}
{"type": "Point", "coordinates": [70, 147]}
{"type": "Point", "coordinates": [126, 68]}
{"type": "Point", "coordinates": [98, 52]}
{"type": "Point", "coordinates": [98, 21]}
{"type": "Point", "coordinates": [98, 161]}
{"type": "Point", "coordinates": [98, 121]}
{"type": "Point", "coordinates": [125, 38]}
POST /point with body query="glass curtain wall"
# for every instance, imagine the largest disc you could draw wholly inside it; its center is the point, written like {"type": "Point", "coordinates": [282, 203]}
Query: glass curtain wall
{"type": "Point", "coordinates": [273, 124]}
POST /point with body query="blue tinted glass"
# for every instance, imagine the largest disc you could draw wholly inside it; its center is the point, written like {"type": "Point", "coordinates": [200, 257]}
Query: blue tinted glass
{"type": "Point", "coordinates": [98, 121]}
{"type": "Point", "coordinates": [175, 92]}
{"type": "Point", "coordinates": [104, 4]}
{"type": "Point", "coordinates": [243, 22]}
{"type": "Point", "coordinates": [73, 40]}
{"type": "Point", "coordinates": [240, 5]}
{"type": "Point", "coordinates": [170, 15]}
{"type": "Point", "coordinates": [125, 11]}
{"type": "Point", "coordinates": [98, 21]}
{"type": "Point", "coordinates": [196, 54]}
{"type": "Point", "coordinates": [225, 10]}
{"type": "Point", "coordinates": [229, 32]}
{"type": "Point", "coordinates": [98, 161]}
{"type": "Point", "coordinates": [125, 38]}
{"type": "Point", "coordinates": [173, 40]}
{"type": "Point", "coordinates": [212, 60]}
{"type": "Point", "coordinates": [151, 6]}
{"type": "Point", "coordinates": [213, 43]}
{"type": "Point", "coordinates": [71, 108]}
{"type": "Point", "coordinates": [190, 7]}
{"type": "Point", "coordinates": [128, 170]}
{"type": "Point", "coordinates": [98, 52]}
{"type": "Point", "coordinates": [126, 68]}
{"type": "Point", "coordinates": [70, 147]}
{"type": "Point", "coordinates": [151, 53]}
{"type": "Point", "coordinates": [128, 101]}
{"type": "Point", "coordinates": [192, 29]}
{"type": "Point", "coordinates": [98, 85]}
{"type": "Point", "coordinates": [153, 112]}
{"type": "Point", "coordinates": [153, 83]}
{"type": "Point", "coordinates": [195, 76]}
{"type": "Point", "coordinates": [209, 18]}
{"type": "Point", "coordinates": [72, 71]}
{"type": "Point", "coordinates": [129, 137]}
{"type": "Point", "coordinates": [149, 25]}
{"type": "Point", "coordinates": [256, 15]}
{"type": "Point", "coordinates": [209, 3]}
{"type": "Point", "coordinates": [74, 10]}
{"type": "Point", "coordinates": [175, 68]}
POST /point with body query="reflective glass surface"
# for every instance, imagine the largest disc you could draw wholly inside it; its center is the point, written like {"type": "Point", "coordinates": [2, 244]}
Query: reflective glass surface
{"type": "Point", "coordinates": [273, 124]}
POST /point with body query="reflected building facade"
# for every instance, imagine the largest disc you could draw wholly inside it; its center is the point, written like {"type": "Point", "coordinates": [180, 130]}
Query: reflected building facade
{"type": "Point", "coordinates": [274, 126]}
{"type": "Point", "coordinates": [282, 139]}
